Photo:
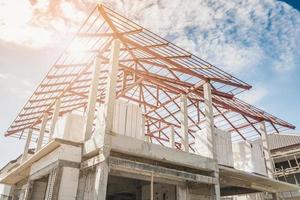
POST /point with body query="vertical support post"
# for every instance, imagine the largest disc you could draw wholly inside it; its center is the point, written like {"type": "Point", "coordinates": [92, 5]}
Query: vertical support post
{"type": "Point", "coordinates": [54, 117]}
{"type": "Point", "coordinates": [267, 153]}
{"type": "Point", "coordinates": [92, 99]}
{"type": "Point", "coordinates": [108, 114]}
{"type": "Point", "coordinates": [209, 121]}
{"type": "Point", "coordinates": [184, 121]}
{"type": "Point", "coordinates": [68, 183]}
{"type": "Point", "coordinates": [42, 132]}
{"type": "Point", "coordinates": [172, 136]}
{"type": "Point", "coordinates": [152, 187]}
{"type": "Point", "coordinates": [27, 144]}
{"type": "Point", "coordinates": [266, 150]}
{"type": "Point", "coordinates": [183, 192]}
{"type": "Point", "coordinates": [110, 97]}
{"type": "Point", "coordinates": [143, 128]}
{"type": "Point", "coordinates": [28, 191]}
{"type": "Point", "coordinates": [211, 137]}
{"type": "Point", "coordinates": [101, 178]}
{"type": "Point", "coordinates": [275, 196]}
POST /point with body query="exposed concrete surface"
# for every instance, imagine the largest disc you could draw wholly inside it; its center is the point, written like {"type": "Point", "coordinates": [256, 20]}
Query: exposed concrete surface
{"type": "Point", "coordinates": [238, 178]}
{"type": "Point", "coordinates": [135, 147]}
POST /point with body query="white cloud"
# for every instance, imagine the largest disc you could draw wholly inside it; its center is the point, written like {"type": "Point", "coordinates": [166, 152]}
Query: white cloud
{"type": "Point", "coordinates": [16, 86]}
{"type": "Point", "coordinates": [38, 23]}
{"type": "Point", "coordinates": [234, 35]}
{"type": "Point", "coordinates": [5, 76]}
{"type": "Point", "coordinates": [255, 95]}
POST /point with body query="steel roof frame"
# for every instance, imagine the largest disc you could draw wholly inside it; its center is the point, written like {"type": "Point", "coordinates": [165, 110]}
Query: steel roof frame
{"type": "Point", "coordinates": [153, 73]}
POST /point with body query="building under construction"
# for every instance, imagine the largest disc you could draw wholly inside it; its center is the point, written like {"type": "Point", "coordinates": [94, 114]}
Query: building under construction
{"type": "Point", "coordinates": [124, 114]}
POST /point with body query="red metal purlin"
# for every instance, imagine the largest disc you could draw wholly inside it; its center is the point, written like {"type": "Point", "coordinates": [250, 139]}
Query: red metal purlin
{"type": "Point", "coordinates": [153, 73]}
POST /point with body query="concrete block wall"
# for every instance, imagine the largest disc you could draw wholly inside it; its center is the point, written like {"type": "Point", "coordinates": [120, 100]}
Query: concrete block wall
{"type": "Point", "coordinates": [70, 127]}
{"type": "Point", "coordinates": [249, 157]}
{"type": "Point", "coordinates": [128, 119]}
{"type": "Point", "coordinates": [224, 146]}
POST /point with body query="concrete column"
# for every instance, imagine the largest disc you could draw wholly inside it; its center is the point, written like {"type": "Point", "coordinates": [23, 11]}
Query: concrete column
{"type": "Point", "coordinates": [110, 94]}
{"type": "Point", "coordinates": [51, 185]}
{"type": "Point", "coordinates": [266, 149]}
{"type": "Point", "coordinates": [172, 137]}
{"type": "Point", "coordinates": [267, 154]}
{"type": "Point", "coordinates": [217, 189]}
{"type": "Point", "coordinates": [101, 178]}
{"type": "Point", "coordinates": [28, 191]}
{"type": "Point", "coordinates": [275, 196]}
{"type": "Point", "coordinates": [183, 193]}
{"type": "Point", "coordinates": [184, 122]}
{"type": "Point", "coordinates": [102, 169]}
{"type": "Point", "coordinates": [42, 132]}
{"type": "Point", "coordinates": [54, 117]}
{"type": "Point", "coordinates": [92, 99]}
{"type": "Point", "coordinates": [27, 144]}
{"type": "Point", "coordinates": [211, 137]}
{"type": "Point", "coordinates": [209, 121]}
{"type": "Point", "coordinates": [68, 183]}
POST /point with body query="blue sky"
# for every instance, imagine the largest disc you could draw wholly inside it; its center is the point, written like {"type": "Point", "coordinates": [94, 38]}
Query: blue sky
{"type": "Point", "coordinates": [293, 3]}
{"type": "Point", "coordinates": [256, 40]}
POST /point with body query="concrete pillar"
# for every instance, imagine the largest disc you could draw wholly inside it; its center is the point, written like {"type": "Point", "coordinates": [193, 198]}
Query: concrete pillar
{"type": "Point", "coordinates": [92, 99]}
{"type": "Point", "coordinates": [172, 137]}
{"type": "Point", "coordinates": [27, 144]}
{"type": "Point", "coordinates": [68, 183]}
{"type": "Point", "coordinates": [28, 191]}
{"type": "Point", "coordinates": [152, 187]}
{"type": "Point", "coordinates": [101, 178]}
{"type": "Point", "coordinates": [110, 94]}
{"type": "Point", "coordinates": [217, 189]}
{"type": "Point", "coordinates": [184, 122]}
{"type": "Point", "coordinates": [42, 132]}
{"type": "Point", "coordinates": [209, 121]}
{"type": "Point", "coordinates": [267, 154]}
{"type": "Point", "coordinates": [266, 149]}
{"type": "Point", "coordinates": [54, 117]}
{"type": "Point", "coordinates": [102, 169]}
{"type": "Point", "coordinates": [275, 196]}
{"type": "Point", "coordinates": [183, 193]}
{"type": "Point", "coordinates": [51, 185]}
{"type": "Point", "coordinates": [211, 137]}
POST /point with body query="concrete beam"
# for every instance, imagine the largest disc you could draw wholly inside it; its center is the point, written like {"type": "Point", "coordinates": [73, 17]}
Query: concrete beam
{"type": "Point", "coordinates": [27, 144]}
{"type": "Point", "coordinates": [147, 170]}
{"type": "Point", "coordinates": [147, 150]}
{"type": "Point", "coordinates": [184, 122]}
{"type": "Point", "coordinates": [42, 132]}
